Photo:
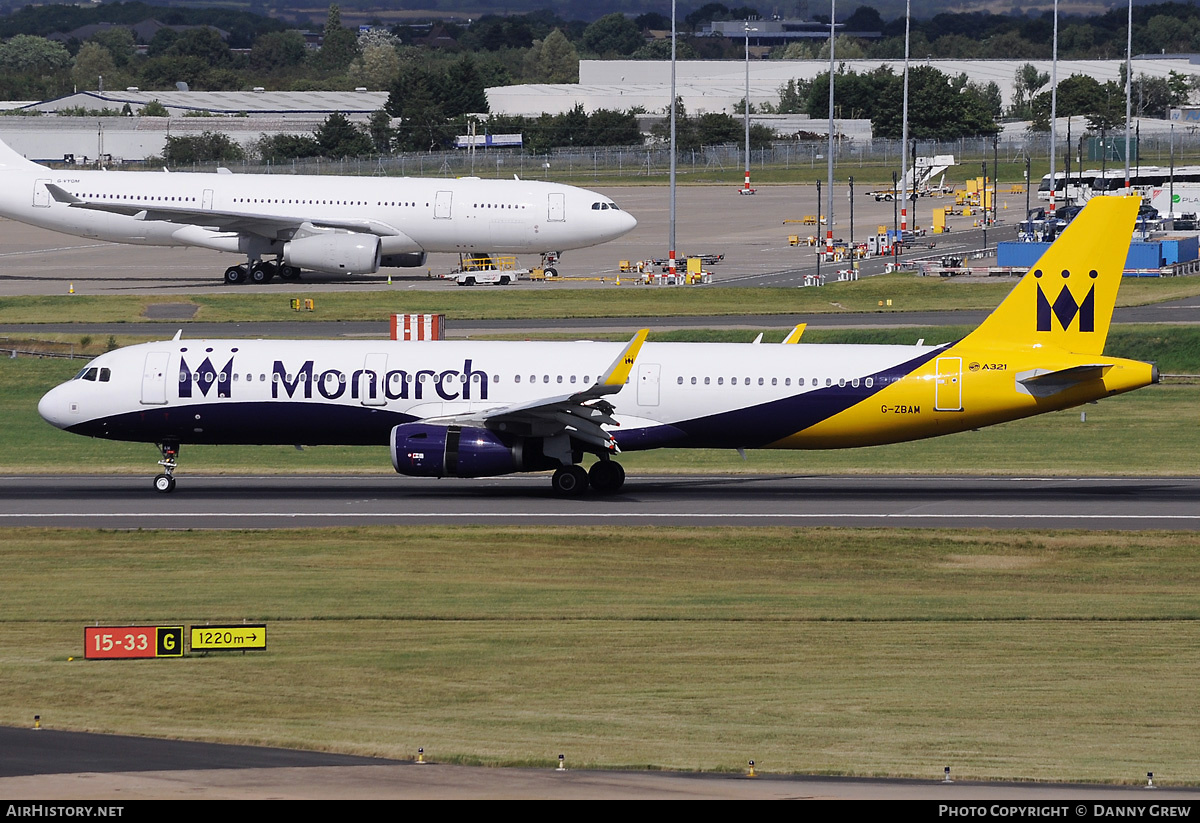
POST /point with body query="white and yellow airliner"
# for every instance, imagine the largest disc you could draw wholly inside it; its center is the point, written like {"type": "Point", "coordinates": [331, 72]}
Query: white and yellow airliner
{"type": "Point", "coordinates": [476, 409]}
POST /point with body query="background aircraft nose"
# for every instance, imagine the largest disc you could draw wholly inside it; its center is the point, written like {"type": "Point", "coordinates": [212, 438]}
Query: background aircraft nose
{"type": "Point", "coordinates": [627, 223]}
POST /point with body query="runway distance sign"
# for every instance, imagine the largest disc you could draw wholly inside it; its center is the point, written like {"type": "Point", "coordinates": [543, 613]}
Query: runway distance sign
{"type": "Point", "coordinates": [223, 638]}
{"type": "Point", "coordinates": [132, 642]}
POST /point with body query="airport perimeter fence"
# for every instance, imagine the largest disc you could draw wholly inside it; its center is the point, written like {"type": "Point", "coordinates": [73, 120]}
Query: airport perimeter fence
{"type": "Point", "coordinates": [583, 163]}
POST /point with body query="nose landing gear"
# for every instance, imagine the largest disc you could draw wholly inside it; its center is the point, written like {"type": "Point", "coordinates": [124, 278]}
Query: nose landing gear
{"type": "Point", "coordinates": [165, 483]}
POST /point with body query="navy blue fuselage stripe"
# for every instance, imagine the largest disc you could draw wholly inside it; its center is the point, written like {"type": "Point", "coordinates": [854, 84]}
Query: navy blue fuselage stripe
{"type": "Point", "coordinates": [265, 423]}
{"type": "Point", "coordinates": [765, 423]}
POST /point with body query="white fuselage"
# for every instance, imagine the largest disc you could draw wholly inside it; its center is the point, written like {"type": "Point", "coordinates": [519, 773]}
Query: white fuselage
{"type": "Point", "coordinates": [427, 215]}
{"type": "Point", "coordinates": [353, 392]}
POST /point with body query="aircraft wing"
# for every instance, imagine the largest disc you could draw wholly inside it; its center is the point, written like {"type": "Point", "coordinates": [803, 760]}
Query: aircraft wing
{"type": "Point", "coordinates": [583, 414]}
{"type": "Point", "coordinates": [267, 225]}
{"type": "Point", "coordinates": [1043, 383]}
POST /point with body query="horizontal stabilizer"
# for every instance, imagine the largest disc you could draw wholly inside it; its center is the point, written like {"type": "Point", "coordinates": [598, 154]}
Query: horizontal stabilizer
{"type": "Point", "coordinates": [1043, 383]}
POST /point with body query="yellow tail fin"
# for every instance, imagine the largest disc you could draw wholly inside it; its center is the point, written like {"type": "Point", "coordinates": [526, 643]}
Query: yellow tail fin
{"type": "Point", "coordinates": [1066, 300]}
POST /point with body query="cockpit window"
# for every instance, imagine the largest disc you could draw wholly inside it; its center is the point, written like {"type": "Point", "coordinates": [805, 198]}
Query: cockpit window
{"type": "Point", "coordinates": [104, 375]}
{"type": "Point", "coordinates": [89, 373]}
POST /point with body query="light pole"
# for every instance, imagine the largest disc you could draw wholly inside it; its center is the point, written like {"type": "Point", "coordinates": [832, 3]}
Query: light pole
{"type": "Point", "coordinates": [829, 175]}
{"type": "Point", "coordinates": [983, 201]}
{"type": "Point", "coordinates": [818, 232]}
{"type": "Point", "coordinates": [671, 232]}
{"type": "Point", "coordinates": [746, 188]}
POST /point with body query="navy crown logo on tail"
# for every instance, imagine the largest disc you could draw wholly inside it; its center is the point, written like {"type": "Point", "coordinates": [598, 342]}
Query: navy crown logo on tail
{"type": "Point", "coordinates": [1065, 307]}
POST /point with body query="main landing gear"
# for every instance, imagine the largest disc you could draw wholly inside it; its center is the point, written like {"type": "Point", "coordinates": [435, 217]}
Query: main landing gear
{"type": "Point", "coordinates": [605, 477]}
{"type": "Point", "coordinates": [260, 271]}
{"type": "Point", "coordinates": [165, 483]}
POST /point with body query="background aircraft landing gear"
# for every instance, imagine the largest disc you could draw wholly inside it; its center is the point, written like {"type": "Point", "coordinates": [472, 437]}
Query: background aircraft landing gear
{"type": "Point", "coordinates": [165, 483]}
{"type": "Point", "coordinates": [262, 272]}
{"type": "Point", "coordinates": [569, 481]}
{"type": "Point", "coordinates": [287, 272]}
{"type": "Point", "coordinates": [235, 275]}
{"type": "Point", "coordinates": [606, 477]}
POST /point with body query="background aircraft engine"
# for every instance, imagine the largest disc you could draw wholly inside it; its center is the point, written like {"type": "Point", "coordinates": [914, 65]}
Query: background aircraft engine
{"type": "Point", "coordinates": [352, 253]}
{"type": "Point", "coordinates": [424, 450]}
{"type": "Point", "coordinates": [407, 260]}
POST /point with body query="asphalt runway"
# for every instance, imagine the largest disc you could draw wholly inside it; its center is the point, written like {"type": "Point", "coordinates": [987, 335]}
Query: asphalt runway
{"type": "Point", "coordinates": [46, 765]}
{"type": "Point", "coordinates": [749, 231]}
{"type": "Point", "coordinates": [200, 502]}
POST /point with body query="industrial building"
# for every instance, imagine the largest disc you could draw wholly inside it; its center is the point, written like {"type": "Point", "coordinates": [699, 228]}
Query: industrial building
{"type": "Point", "coordinates": [242, 115]}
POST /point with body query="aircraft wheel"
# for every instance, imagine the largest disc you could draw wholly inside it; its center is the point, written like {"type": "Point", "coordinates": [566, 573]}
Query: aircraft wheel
{"type": "Point", "coordinates": [164, 483]}
{"type": "Point", "coordinates": [570, 481]}
{"type": "Point", "coordinates": [262, 272]}
{"type": "Point", "coordinates": [551, 272]}
{"type": "Point", "coordinates": [235, 275]}
{"type": "Point", "coordinates": [289, 272]}
{"type": "Point", "coordinates": [607, 477]}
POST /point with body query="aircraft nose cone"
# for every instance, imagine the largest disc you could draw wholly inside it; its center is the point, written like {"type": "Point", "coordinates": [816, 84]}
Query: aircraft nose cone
{"type": "Point", "coordinates": [55, 408]}
{"type": "Point", "coordinates": [623, 223]}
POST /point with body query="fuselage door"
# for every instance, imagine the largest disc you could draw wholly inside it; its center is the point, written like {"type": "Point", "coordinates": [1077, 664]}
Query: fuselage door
{"type": "Point", "coordinates": [441, 205]}
{"type": "Point", "coordinates": [370, 382]}
{"type": "Point", "coordinates": [154, 379]}
{"type": "Point", "coordinates": [948, 391]}
{"type": "Point", "coordinates": [557, 207]}
{"type": "Point", "coordinates": [647, 390]}
{"type": "Point", "coordinates": [206, 203]}
{"type": "Point", "coordinates": [41, 195]}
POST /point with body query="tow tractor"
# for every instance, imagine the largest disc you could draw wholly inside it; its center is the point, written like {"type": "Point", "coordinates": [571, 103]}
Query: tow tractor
{"type": "Point", "coordinates": [488, 270]}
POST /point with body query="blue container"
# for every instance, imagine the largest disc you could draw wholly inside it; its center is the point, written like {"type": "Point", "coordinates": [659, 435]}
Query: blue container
{"type": "Point", "coordinates": [1144, 256]}
{"type": "Point", "coordinates": [1019, 255]}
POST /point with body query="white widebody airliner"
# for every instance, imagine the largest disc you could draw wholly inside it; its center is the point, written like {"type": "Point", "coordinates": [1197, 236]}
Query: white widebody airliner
{"type": "Point", "coordinates": [481, 408]}
{"type": "Point", "coordinates": [285, 223]}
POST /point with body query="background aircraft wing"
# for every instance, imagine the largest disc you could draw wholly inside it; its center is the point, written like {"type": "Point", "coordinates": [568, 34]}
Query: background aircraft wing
{"type": "Point", "coordinates": [268, 225]}
{"type": "Point", "coordinates": [583, 414]}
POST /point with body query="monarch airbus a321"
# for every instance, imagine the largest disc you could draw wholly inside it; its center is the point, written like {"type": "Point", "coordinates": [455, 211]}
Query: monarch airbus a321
{"type": "Point", "coordinates": [478, 409]}
{"type": "Point", "coordinates": [283, 224]}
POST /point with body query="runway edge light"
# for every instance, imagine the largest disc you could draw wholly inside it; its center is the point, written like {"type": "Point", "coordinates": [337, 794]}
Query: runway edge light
{"type": "Point", "coordinates": [1150, 780]}
{"type": "Point", "coordinates": [947, 779]}
{"type": "Point", "coordinates": [562, 763]}
{"type": "Point", "coordinates": [421, 756]}
{"type": "Point", "coordinates": [751, 773]}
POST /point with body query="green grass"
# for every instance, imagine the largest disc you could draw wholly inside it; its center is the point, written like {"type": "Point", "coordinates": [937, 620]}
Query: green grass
{"type": "Point", "coordinates": [907, 293]}
{"type": "Point", "coordinates": [1008, 655]}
